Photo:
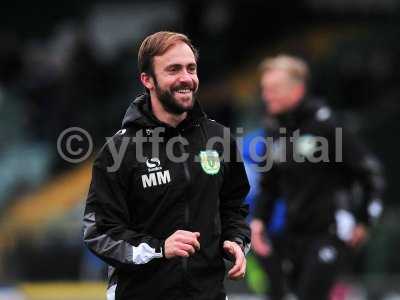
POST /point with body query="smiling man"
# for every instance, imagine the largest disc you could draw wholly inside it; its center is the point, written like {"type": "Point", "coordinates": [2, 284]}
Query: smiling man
{"type": "Point", "coordinates": [163, 223]}
{"type": "Point", "coordinates": [171, 78]}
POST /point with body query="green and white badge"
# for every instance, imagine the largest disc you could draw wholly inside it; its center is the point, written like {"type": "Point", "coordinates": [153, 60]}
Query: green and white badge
{"type": "Point", "coordinates": [209, 160]}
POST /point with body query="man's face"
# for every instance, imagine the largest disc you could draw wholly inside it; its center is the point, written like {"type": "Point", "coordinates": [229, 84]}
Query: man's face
{"type": "Point", "coordinates": [279, 92]}
{"type": "Point", "coordinates": [175, 78]}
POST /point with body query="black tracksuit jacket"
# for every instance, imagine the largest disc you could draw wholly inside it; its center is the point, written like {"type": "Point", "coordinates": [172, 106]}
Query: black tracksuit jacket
{"type": "Point", "coordinates": [315, 191]}
{"type": "Point", "coordinates": [132, 210]}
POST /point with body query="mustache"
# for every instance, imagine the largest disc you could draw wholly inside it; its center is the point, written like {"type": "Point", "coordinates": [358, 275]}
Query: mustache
{"type": "Point", "coordinates": [191, 87]}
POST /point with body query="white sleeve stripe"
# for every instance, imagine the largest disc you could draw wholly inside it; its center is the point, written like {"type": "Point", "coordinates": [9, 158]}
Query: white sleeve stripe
{"type": "Point", "coordinates": [247, 248]}
{"type": "Point", "coordinates": [111, 292]}
{"type": "Point", "coordinates": [345, 223]}
{"type": "Point", "coordinates": [118, 250]}
{"type": "Point", "coordinates": [144, 253]}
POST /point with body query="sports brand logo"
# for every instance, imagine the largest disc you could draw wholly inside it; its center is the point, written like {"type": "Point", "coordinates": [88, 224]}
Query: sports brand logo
{"type": "Point", "coordinates": [153, 164]}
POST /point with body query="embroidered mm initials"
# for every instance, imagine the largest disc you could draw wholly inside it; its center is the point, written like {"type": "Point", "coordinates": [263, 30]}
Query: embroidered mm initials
{"type": "Point", "coordinates": [157, 178]}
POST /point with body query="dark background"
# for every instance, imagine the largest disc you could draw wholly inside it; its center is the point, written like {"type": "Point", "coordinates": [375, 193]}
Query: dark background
{"type": "Point", "coordinates": [74, 63]}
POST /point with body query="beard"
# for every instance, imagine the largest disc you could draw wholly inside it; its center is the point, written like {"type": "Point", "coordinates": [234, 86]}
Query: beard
{"type": "Point", "coordinates": [169, 102]}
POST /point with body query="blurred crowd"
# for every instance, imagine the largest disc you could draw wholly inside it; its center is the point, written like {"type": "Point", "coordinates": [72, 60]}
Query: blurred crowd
{"type": "Point", "coordinates": [43, 92]}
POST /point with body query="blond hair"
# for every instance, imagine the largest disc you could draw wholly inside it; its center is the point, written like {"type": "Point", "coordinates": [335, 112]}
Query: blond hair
{"type": "Point", "coordinates": [295, 67]}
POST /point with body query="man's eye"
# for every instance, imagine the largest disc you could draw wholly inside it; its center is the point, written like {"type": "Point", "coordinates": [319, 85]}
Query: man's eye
{"type": "Point", "coordinates": [192, 69]}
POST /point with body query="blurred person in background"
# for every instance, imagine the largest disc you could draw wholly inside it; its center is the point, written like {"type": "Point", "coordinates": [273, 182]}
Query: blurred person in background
{"type": "Point", "coordinates": [329, 181]}
{"type": "Point", "coordinates": [162, 224]}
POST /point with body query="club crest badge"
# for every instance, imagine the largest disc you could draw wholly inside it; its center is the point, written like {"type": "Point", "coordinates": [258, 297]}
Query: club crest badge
{"type": "Point", "coordinates": [209, 161]}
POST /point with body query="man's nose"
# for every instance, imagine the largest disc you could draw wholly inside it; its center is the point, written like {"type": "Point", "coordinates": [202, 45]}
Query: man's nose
{"type": "Point", "coordinates": [185, 76]}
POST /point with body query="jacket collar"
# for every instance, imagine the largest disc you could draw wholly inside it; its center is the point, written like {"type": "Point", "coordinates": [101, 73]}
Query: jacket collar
{"type": "Point", "coordinates": [140, 113]}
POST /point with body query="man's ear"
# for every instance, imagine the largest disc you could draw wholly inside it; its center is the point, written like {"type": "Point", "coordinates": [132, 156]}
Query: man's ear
{"type": "Point", "coordinates": [147, 80]}
{"type": "Point", "coordinates": [299, 91]}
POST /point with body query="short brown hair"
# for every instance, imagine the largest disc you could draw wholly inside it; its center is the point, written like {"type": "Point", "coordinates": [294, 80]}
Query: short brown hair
{"type": "Point", "coordinates": [295, 67]}
{"type": "Point", "coordinates": [157, 44]}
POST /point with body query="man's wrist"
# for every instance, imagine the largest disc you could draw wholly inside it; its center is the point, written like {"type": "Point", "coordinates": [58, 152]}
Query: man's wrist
{"type": "Point", "coordinates": [240, 242]}
{"type": "Point", "coordinates": [257, 226]}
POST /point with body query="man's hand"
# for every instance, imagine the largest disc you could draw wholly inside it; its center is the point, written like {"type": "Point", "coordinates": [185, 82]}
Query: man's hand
{"type": "Point", "coordinates": [239, 268]}
{"type": "Point", "coordinates": [359, 237]}
{"type": "Point", "coordinates": [258, 243]}
{"type": "Point", "coordinates": [181, 243]}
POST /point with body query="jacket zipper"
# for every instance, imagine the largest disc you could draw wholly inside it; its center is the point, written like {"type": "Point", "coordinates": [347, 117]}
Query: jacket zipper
{"type": "Point", "coordinates": [186, 211]}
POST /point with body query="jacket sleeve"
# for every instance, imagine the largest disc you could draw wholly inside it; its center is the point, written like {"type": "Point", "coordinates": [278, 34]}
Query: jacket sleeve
{"type": "Point", "coordinates": [362, 168]}
{"type": "Point", "coordinates": [233, 210]}
{"type": "Point", "coordinates": [106, 222]}
{"type": "Point", "coordinates": [367, 172]}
